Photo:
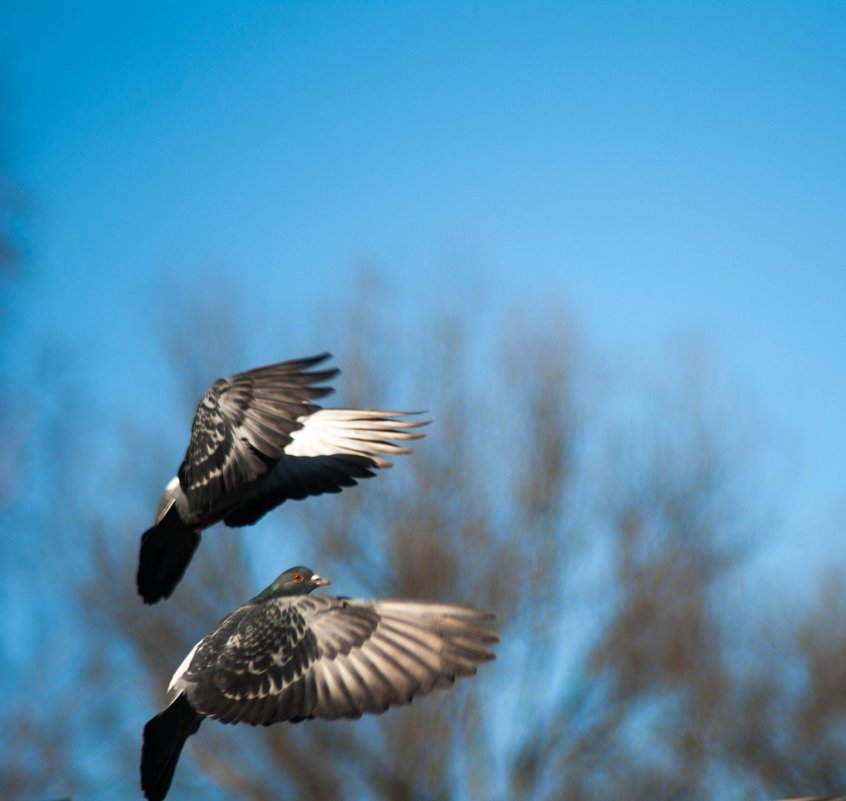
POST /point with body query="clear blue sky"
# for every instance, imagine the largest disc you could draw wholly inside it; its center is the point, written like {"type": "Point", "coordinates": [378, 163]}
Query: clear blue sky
{"type": "Point", "coordinates": [668, 169]}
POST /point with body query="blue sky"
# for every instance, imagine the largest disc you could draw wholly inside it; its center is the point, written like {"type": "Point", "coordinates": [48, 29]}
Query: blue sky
{"type": "Point", "coordinates": [671, 171]}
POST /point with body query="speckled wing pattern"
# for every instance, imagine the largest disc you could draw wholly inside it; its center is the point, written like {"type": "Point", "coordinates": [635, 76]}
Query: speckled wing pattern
{"type": "Point", "coordinates": [313, 656]}
{"type": "Point", "coordinates": [242, 426]}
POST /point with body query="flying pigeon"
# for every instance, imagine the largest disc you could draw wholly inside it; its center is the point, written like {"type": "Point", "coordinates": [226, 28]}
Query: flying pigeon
{"type": "Point", "coordinates": [286, 655]}
{"type": "Point", "coordinates": [258, 440]}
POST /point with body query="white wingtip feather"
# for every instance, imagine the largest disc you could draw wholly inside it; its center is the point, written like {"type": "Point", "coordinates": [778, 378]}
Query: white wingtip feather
{"type": "Point", "coordinates": [358, 432]}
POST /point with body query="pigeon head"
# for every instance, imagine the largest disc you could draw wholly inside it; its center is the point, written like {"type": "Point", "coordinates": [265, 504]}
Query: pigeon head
{"type": "Point", "coordinates": [294, 581]}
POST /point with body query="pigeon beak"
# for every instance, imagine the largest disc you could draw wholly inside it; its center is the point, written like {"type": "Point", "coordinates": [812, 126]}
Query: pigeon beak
{"type": "Point", "coordinates": [320, 581]}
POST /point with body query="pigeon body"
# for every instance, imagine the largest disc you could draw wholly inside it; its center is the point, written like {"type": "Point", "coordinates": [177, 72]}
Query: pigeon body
{"type": "Point", "coordinates": [257, 440]}
{"type": "Point", "coordinates": [289, 656]}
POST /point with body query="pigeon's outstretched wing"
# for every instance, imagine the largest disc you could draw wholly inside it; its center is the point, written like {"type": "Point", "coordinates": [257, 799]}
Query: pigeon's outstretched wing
{"type": "Point", "coordinates": [332, 449]}
{"type": "Point", "coordinates": [241, 427]}
{"type": "Point", "coordinates": [291, 659]}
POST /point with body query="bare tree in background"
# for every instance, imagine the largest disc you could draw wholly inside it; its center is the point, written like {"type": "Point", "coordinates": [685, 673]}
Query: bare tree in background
{"type": "Point", "coordinates": [604, 542]}
{"type": "Point", "coordinates": [33, 756]}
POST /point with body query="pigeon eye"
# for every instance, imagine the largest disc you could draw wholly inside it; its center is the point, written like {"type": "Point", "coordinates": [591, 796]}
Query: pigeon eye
{"type": "Point", "coordinates": [298, 577]}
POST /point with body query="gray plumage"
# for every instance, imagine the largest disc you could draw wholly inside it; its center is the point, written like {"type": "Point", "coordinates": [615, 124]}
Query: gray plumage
{"type": "Point", "coordinates": [257, 440]}
{"type": "Point", "coordinates": [288, 656]}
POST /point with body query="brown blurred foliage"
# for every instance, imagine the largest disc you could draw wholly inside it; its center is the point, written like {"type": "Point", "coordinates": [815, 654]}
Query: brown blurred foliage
{"type": "Point", "coordinates": [607, 532]}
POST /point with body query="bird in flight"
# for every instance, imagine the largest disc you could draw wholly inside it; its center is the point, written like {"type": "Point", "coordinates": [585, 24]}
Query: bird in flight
{"type": "Point", "coordinates": [258, 440]}
{"type": "Point", "coordinates": [287, 655]}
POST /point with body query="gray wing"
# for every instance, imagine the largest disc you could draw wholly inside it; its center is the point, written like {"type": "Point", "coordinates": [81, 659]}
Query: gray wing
{"type": "Point", "coordinates": [333, 449]}
{"type": "Point", "coordinates": [414, 648]}
{"type": "Point", "coordinates": [314, 656]}
{"type": "Point", "coordinates": [237, 671]}
{"type": "Point", "coordinates": [242, 426]}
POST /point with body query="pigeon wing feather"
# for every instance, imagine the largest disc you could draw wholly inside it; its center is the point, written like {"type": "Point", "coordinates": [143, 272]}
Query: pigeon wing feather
{"type": "Point", "coordinates": [242, 426]}
{"type": "Point", "coordinates": [314, 656]}
{"type": "Point", "coordinates": [332, 450]}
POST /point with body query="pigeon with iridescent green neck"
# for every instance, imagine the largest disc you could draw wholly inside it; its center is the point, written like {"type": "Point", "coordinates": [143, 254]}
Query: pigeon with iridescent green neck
{"type": "Point", "coordinates": [286, 655]}
{"type": "Point", "coordinates": [258, 440]}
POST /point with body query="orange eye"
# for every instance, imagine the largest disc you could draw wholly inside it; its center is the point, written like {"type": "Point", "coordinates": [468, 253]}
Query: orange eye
{"type": "Point", "coordinates": [298, 577]}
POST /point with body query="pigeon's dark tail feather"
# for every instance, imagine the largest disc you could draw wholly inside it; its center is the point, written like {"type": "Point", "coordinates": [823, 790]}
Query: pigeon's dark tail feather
{"type": "Point", "coordinates": [166, 550]}
{"type": "Point", "coordinates": [164, 736]}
